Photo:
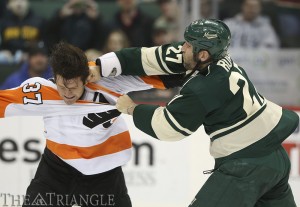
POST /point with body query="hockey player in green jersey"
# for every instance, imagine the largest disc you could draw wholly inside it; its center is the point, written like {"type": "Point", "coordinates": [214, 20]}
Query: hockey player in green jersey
{"type": "Point", "coordinates": [246, 130]}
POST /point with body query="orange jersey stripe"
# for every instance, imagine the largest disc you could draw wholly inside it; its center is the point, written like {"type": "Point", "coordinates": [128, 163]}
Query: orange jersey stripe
{"type": "Point", "coordinates": [92, 63]}
{"type": "Point", "coordinates": [155, 81]}
{"type": "Point", "coordinates": [112, 145]}
{"type": "Point", "coordinates": [94, 86]}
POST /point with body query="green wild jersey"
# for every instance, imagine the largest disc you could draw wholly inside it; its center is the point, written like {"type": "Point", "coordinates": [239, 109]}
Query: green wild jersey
{"type": "Point", "coordinates": [239, 121]}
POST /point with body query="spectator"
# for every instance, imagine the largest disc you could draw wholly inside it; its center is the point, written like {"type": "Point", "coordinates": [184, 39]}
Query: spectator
{"type": "Point", "coordinates": [35, 66]}
{"type": "Point", "coordinates": [250, 29]}
{"type": "Point", "coordinates": [288, 15]}
{"type": "Point", "coordinates": [78, 23]}
{"type": "Point", "coordinates": [229, 8]}
{"type": "Point", "coordinates": [169, 16]}
{"type": "Point", "coordinates": [19, 27]}
{"type": "Point", "coordinates": [163, 33]}
{"type": "Point", "coordinates": [116, 40]}
{"type": "Point", "coordinates": [206, 9]}
{"type": "Point", "coordinates": [136, 24]}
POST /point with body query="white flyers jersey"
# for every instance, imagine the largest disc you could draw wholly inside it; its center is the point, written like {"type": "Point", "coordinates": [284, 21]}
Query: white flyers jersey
{"type": "Point", "coordinates": [89, 135]}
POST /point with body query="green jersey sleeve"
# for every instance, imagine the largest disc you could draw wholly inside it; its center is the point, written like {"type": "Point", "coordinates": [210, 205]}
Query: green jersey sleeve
{"type": "Point", "coordinates": [160, 60]}
{"type": "Point", "coordinates": [173, 122]}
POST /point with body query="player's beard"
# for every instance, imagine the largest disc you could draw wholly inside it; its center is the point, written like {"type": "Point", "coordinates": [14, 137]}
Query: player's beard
{"type": "Point", "coordinates": [188, 66]}
{"type": "Point", "coordinates": [197, 67]}
{"type": "Point", "coordinates": [191, 63]}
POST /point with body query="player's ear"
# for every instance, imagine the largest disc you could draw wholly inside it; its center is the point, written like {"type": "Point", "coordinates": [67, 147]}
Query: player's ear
{"type": "Point", "coordinates": [203, 55]}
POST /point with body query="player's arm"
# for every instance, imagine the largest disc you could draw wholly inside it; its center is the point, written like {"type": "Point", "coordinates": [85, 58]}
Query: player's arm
{"type": "Point", "coordinates": [38, 97]}
{"type": "Point", "coordinates": [127, 83]}
{"type": "Point", "coordinates": [171, 123]}
{"type": "Point", "coordinates": [161, 60]}
{"type": "Point", "coordinates": [15, 100]}
{"type": "Point", "coordinates": [124, 84]}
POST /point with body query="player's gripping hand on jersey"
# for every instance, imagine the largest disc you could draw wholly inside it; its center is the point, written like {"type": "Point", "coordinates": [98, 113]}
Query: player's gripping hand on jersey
{"type": "Point", "coordinates": [125, 105]}
{"type": "Point", "coordinates": [94, 72]}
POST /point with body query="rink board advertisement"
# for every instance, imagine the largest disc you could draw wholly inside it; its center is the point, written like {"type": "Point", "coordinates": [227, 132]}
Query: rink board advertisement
{"type": "Point", "coordinates": [275, 73]}
{"type": "Point", "coordinates": [161, 174]}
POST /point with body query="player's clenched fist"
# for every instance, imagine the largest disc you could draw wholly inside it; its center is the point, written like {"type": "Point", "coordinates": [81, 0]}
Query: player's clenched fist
{"type": "Point", "coordinates": [125, 105]}
{"type": "Point", "coordinates": [94, 72]}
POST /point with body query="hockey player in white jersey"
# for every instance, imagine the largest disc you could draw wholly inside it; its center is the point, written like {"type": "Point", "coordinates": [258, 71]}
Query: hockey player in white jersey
{"type": "Point", "coordinates": [87, 141]}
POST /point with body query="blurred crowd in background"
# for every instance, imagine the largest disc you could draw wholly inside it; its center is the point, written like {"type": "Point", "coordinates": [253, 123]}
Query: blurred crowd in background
{"type": "Point", "coordinates": [27, 36]}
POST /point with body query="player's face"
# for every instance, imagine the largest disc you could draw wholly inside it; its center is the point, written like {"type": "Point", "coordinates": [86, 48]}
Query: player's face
{"type": "Point", "coordinates": [69, 90]}
{"type": "Point", "coordinates": [188, 59]}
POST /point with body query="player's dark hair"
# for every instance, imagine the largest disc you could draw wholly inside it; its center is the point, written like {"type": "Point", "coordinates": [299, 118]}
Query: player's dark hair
{"type": "Point", "coordinates": [69, 62]}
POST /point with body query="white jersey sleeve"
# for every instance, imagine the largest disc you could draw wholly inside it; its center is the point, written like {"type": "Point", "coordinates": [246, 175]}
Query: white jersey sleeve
{"type": "Point", "coordinates": [39, 97]}
{"type": "Point", "coordinates": [125, 84]}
